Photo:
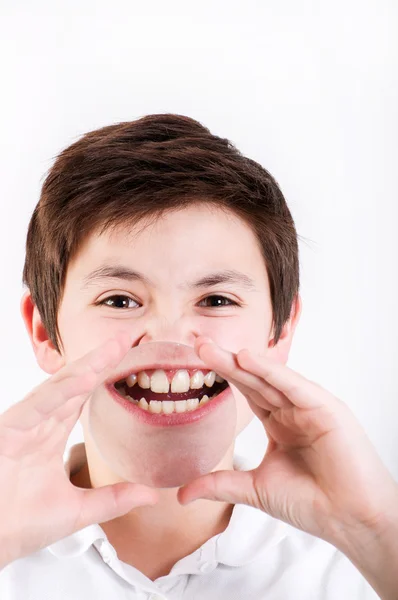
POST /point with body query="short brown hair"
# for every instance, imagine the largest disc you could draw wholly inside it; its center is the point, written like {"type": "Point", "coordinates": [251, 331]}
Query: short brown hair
{"type": "Point", "coordinates": [121, 174]}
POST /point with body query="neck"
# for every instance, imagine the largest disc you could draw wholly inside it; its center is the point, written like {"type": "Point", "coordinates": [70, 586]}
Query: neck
{"type": "Point", "coordinates": [154, 538]}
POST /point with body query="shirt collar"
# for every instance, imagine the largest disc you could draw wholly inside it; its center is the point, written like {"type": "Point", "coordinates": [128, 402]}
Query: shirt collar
{"type": "Point", "coordinates": [256, 530]}
{"type": "Point", "coordinates": [250, 530]}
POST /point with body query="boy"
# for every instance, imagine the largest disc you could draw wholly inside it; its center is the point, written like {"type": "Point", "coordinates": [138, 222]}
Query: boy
{"type": "Point", "coordinates": [163, 230]}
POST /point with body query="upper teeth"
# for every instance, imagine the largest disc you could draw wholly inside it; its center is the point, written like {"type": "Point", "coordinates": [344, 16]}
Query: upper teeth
{"type": "Point", "coordinates": [158, 382]}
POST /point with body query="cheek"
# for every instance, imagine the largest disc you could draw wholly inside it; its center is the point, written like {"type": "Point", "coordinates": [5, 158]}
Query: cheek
{"type": "Point", "coordinates": [82, 332]}
{"type": "Point", "coordinates": [236, 334]}
{"type": "Point", "coordinates": [252, 333]}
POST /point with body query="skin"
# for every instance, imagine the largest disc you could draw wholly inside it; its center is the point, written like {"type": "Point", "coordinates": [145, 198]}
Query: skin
{"type": "Point", "coordinates": [320, 472]}
{"type": "Point", "coordinates": [168, 531]}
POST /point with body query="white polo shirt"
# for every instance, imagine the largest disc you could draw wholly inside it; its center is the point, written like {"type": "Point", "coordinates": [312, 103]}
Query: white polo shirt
{"type": "Point", "coordinates": [256, 557]}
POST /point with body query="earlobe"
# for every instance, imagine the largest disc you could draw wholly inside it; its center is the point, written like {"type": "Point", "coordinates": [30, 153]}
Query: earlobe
{"type": "Point", "coordinates": [48, 358]}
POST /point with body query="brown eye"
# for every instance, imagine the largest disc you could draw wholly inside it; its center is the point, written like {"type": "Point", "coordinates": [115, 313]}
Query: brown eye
{"type": "Point", "coordinates": [232, 302]}
{"type": "Point", "coordinates": [120, 298]}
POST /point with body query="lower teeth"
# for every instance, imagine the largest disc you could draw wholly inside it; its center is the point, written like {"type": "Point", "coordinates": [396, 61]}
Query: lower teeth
{"type": "Point", "coordinates": [168, 407]}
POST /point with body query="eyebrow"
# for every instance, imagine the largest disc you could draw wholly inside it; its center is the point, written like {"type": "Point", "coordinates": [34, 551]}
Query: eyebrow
{"type": "Point", "coordinates": [121, 272]}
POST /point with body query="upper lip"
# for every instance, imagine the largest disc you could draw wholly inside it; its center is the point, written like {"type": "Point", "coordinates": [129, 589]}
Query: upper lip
{"type": "Point", "coordinates": [148, 366]}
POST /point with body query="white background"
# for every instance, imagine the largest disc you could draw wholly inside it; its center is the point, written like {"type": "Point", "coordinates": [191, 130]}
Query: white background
{"type": "Point", "coordinates": [308, 89]}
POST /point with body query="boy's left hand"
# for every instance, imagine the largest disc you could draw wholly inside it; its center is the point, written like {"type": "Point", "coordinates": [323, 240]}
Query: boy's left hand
{"type": "Point", "coordinates": [320, 472]}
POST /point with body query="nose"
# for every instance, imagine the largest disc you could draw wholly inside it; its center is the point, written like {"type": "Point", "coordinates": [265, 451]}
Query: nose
{"type": "Point", "coordinates": [162, 329]}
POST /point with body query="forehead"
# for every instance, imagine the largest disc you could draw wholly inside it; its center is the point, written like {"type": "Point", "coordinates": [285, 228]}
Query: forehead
{"type": "Point", "coordinates": [186, 240]}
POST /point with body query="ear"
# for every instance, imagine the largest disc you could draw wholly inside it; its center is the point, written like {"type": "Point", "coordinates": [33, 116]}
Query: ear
{"type": "Point", "coordinates": [280, 352]}
{"type": "Point", "coordinates": [47, 356]}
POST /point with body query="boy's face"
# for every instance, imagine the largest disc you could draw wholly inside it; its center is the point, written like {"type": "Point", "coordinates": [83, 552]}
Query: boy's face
{"type": "Point", "coordinates": [180, 248]}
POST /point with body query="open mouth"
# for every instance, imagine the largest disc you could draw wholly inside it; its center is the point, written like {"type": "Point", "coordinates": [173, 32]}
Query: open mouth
{"type": "Point", "coordinates": [171, 391]}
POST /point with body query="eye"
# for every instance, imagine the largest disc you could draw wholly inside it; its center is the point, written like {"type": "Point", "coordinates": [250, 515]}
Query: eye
{"type": "Point", "coordinates": [232, 302]}
{"type": "Point", "coordinates": [122, 298]}
{"type": "Point", "coordinates": [118, 296]}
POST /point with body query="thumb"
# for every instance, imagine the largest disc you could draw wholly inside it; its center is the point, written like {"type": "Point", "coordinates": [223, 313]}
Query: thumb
{"type": "Point", "coordinates": [111, 501]}
{"type": "Point", "coordinates": [234, 487]}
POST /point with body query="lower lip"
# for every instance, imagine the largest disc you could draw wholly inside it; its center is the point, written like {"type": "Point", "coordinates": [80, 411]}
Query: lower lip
{"type": "Point", "coordinates": [162, 420]}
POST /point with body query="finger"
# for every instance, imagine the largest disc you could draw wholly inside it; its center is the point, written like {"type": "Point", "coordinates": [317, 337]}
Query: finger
{"type": "Point", "coordinates": [226, 364]}
{"type": "Point", "coordinates": [76, 380]}
{"type": "Point", "coordinates": [108, 354]}
{"type": "Point", "coordinates": [89, 371]}
{"type": "Point", "coordinates": [234, 487]}
{"type": "Point", "coordinates": [258, 404]}
{"type": "Point", "coordinates": [300, 391]}
{"type": "Point", "coordinates": [111, 501]}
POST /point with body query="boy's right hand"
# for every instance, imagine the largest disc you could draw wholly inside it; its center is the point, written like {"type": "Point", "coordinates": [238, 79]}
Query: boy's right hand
{"type": "Point", "coordinates": [38, 503]}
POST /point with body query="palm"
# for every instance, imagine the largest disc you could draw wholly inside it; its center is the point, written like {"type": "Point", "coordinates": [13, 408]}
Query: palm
{"type": "Point", "coordinates": [50, 507]}
{"type": "Point", "coordinates": [39, 504]}
{"type": "Point", "coordinates": [290, 482]}
{"type": "Point", "coordinates": [320, 472]}
{"type": "Point", "coordinates": [46, 506]}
